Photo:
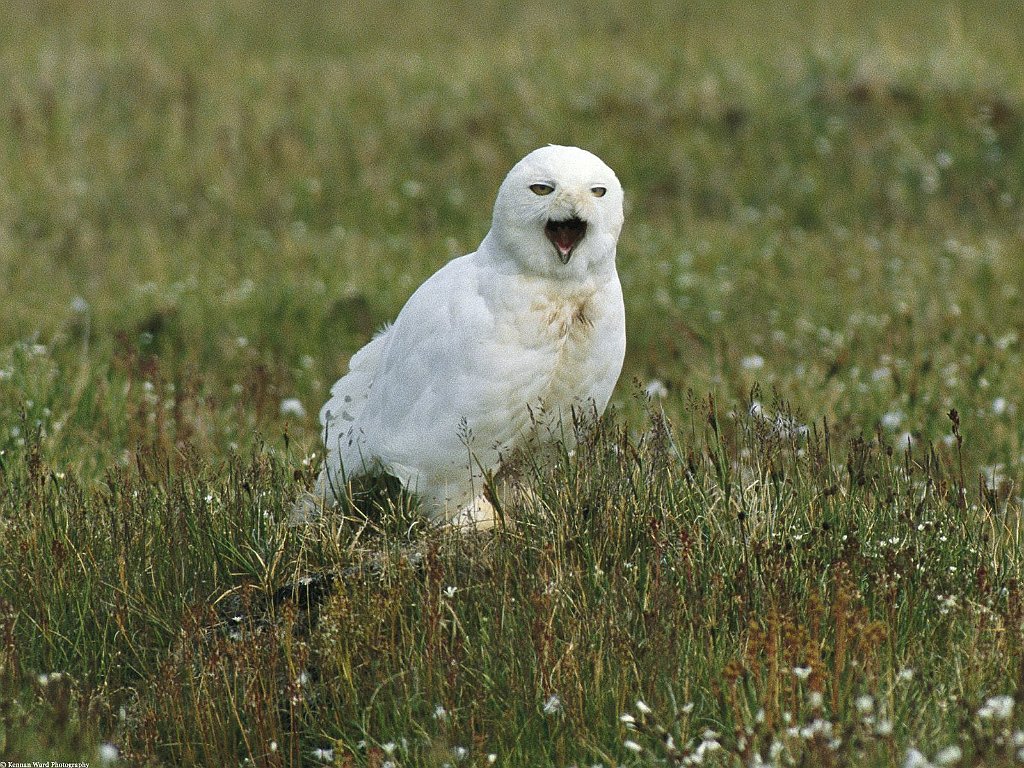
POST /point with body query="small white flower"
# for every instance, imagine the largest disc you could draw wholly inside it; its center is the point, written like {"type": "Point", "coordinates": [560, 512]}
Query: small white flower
{"type": "Point", "coordinates": [802, 673]}
{"type": "Point", "coordinates": [708, 745]}
{"type": "Point", "coordinates": [107, 753]}
{"type": "Point", "coordinates": [389, 747]}
{"type": "Point", "coordinates": [999, 406]}
{"type": "Point", "coordinates": [816, 699]}
{"type": "Point", "coordinates": [752, 362]}
{"type": "Point", "coordinates": [440, 713]}
{"type": "Point", "coordinates": [632, 746]}
{"type": "Point", "coordinates": [628, 719]}
{"type": "Point", "coordinates": [864, 704]}
{"type": "Point", "coordinates": [492, 759]}
{"type": "Point", "coordinates": [892, 419]}
{"type": "Point", "coordinates": [656, 390]}
{"type": "Point", "coordinates": [273, 746]}
{"type": "Point", "coordinates": [553, 705]}
{"type": "Point", "coordinates": [323, 755]}
{"type": "Point", "coordinates": [997, 708]}
{"type": "Point", "coordinates": [461, 753]}
{"type": "Point", "coordinates": [642, 708]}
{"type": "Point", "coordinates": [79, 305]}
{"type": "Point", "coordinates": [450, 591]}
{"type": "Point", "coordinates": [949, 755]}
{"type": "Point", "coordinates": [292, 406]}
{"type": "Point", "coordinates": [884, 728]}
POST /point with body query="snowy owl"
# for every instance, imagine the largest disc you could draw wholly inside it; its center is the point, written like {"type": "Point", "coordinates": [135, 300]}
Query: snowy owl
{"type": "Point", "coordinates": [495, 349]}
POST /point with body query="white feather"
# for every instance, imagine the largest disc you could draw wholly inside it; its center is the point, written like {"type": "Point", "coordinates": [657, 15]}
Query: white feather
{"type": "Point", "coordinates": [494, 349]}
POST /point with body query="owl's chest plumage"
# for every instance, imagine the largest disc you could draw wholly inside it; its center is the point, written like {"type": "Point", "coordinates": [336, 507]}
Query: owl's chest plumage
{"type": "Point", "coordinates": [561, 342]}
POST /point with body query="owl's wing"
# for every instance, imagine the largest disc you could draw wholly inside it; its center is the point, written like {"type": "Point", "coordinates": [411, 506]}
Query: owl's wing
{"type": "Point", "coordinates": [349, 393]}
{"type": "Point", "coordinates": [433, 373]}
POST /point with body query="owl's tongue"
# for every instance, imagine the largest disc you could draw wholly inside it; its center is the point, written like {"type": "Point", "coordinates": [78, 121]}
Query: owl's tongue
{"type": "Point", "coordinates": [565, 235]}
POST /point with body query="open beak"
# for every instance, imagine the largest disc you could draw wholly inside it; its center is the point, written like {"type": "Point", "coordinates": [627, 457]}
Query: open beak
{"type": "Point", "coordinates": [565, 235]}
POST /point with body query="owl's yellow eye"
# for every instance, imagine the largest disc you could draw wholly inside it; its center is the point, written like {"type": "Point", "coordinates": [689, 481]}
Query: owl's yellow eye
{"type": "Point", "coordinates": [598, 191]}
{"type": "Point", "coordinates": [541, 189]}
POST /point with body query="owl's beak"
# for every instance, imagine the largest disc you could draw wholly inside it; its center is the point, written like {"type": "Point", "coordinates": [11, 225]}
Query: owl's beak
{"type": "Point", "coordinates": [565, 235]}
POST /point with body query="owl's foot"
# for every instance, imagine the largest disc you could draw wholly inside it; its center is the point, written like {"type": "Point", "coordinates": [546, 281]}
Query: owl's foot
{"type": "Point", "coordinates": [478, 515]}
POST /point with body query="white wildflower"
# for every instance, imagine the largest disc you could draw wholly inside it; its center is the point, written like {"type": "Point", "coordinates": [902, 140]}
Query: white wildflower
{"type": "Point", "coordinates": [864, 704]}
{"type": "Point", "coordinates": [949, 755]}
{"type": "Point", "coordinates": [752, 362]}
{"type": "Point", "coordinates": [802, 673]}
{"type": "Point", "coordinates": [324, 755]}
{"type": "Point", "coordinates": [553, 705]}
{"type": "Point", "coordinates": [905, 439]}
{"type": "Point", "coordinates": [292, 406]}
{"type": "Point", "coordinates": [891, 419]}
{"type": "Point", "coordinates": [107, 753]}
{"type": "Point", "coordinates": [656, 390]}
{"type": "Point", "coordinates": [632, 746]}
{"type": "Point", "coordinates": [997, 708]}
{"type": "Point", "coordinates": [642, 708]}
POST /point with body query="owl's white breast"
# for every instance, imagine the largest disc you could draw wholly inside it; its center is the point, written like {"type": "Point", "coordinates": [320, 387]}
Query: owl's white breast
{"type": "Point", "coordinates": [570, 346]}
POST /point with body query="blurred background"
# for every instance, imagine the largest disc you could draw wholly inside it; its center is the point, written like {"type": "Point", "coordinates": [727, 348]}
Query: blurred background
{"type": "Point", "coordinates": [205, 209]}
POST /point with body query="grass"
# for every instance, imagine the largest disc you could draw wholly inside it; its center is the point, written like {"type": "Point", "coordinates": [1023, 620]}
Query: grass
{"type": "Point", "coordinates": [797, 556]}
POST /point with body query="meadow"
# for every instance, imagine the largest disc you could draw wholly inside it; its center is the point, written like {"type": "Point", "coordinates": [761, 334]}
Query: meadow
{"type": "Point", "coordinates": [794, 540]}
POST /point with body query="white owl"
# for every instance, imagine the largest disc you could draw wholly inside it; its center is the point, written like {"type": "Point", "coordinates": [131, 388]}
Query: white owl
{"type": "Point", "coordinates": [495, 349]}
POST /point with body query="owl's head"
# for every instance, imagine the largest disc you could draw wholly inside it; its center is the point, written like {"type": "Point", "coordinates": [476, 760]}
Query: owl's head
{"type": "Point", "coordinates": [558, 213]}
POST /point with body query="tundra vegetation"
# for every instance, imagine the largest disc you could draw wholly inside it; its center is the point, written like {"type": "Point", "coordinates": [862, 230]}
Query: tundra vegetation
{"type": "Point", "coordinates": [795, 540]}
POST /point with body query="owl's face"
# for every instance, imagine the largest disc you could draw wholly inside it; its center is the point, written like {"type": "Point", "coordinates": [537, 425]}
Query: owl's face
{"type": "Point", "coordinates": [559, 212]}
